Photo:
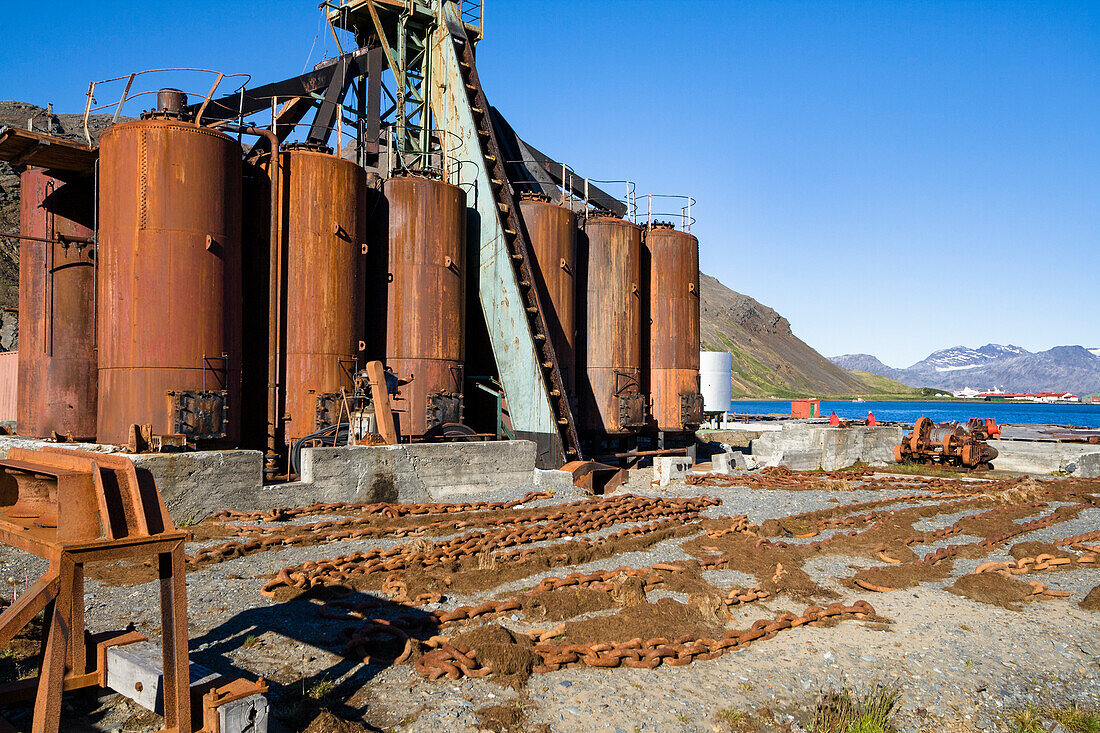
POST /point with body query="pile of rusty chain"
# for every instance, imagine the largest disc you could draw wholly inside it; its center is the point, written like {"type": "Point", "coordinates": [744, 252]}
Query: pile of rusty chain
{"type": "Point", "coordinates": [780, 477]}
{"type": "Point", "coordinates": [952, 551]}
{"type": "Point", "coordinates": [356, 528]}
{"type": "Point", "coordinates": [602, 580]}
{"type": "Point", "coordinates": [739, 524]}
{"type": "Point", "coordinates": [1044, 561]}
{"type": "Point", "coordinates": [595, 515]}
{"type": "Point", "coordinates": [391, 511]}
{"type": "Point", "coordinates": [1078, 539]}
{"type": "Point", "coordinates": [641, 529]}
{"type": "Point", "coordinates": [874, 520]}
{"type": "Point", "coordinates": [452, 662]}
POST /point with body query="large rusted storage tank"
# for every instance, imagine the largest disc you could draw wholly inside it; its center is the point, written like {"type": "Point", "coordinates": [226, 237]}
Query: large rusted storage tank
{"type": "Point", "coordinates": [672, 334]}
{"type": "Point", "coordinates": [610, 397]}
{"type": "Point", "coordinates": [57, 360]}
{"type": "Point", "coordinates": [168, 309]}
{"type": "Point", "coordinates": [425, 311]}
{"type": "Point", "coordinates": [325, 233]}
{"type": "Point", "coordinates": [552, 230]}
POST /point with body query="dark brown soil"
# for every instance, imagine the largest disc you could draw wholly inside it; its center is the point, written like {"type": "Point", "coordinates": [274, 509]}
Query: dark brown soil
{"type": "Point", "coordinates": [558, 605]}
{"type": "Point", "coordinates": [501, 718]}
{"type": "Point", "coordinates": [326, 722]}
{"type": "Point", "coordinates": [509, 654]}
{"type": "Point", "coordinates": [665, 618]}
{"type": "Point", "coordinates": [1092, 600]}
{"type": "Point", "coordinates": [1034, 549]}
{"type": "Point", "coordinates": [992, 588]}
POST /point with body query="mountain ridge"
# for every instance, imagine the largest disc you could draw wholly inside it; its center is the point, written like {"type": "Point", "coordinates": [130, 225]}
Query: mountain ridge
{"type": "Point", "coordinates": [1006, 367]}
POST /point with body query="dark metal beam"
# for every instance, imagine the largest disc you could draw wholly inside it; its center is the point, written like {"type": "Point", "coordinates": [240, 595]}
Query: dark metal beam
{"type": "Point", "coordinates": [541, 165]}
{"type": "Point", "coordinates": [323, 121]}
{"type": "Point", "coordinates": [259, 98]}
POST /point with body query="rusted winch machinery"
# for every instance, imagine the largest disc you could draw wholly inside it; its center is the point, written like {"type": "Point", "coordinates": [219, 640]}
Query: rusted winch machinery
{"type": "Point", "coordinates": [949, 444]}
{"type": "Point", "coordinates": [204, 278]}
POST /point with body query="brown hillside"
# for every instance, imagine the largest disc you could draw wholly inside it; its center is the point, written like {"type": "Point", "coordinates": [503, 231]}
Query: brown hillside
{"type": "Point", "coordinates": [768, 360]}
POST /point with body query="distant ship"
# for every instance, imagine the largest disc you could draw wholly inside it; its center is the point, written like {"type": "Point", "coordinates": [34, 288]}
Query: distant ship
{"type": "Point", "coordinates": [859, 399]}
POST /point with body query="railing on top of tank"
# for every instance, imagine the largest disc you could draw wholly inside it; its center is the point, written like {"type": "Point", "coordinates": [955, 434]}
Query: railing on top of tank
{"type": "Point", "coordinates": [126, 96]}
{"type": "Point", "coordinates": [630, 199]}
{"type": "Point", "coordinates": [566, 176]}
{"type": "Point", "coordinates": [442, 162]}
{"type": "Point", "coordinates": [276, 126]}
{"type": "Point", "coordinates": [652, 215]}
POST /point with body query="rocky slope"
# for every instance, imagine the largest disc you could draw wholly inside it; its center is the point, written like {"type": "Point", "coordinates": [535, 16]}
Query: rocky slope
{"type": "Point", "coordinates": [768, 360]}
{"type": "Point", "coordinates": [1010, 368]}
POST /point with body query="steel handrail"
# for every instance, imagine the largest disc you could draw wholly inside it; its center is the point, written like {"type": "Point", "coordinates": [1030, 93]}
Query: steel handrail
{"type": "Point", "coordinates": [450, 165]}
{"type": "Point", "coordinates": [629, 200]}
{"type": "Point", "coordinates": [126, 96]}
{"type": "Point", "coordinates": [684, 214]}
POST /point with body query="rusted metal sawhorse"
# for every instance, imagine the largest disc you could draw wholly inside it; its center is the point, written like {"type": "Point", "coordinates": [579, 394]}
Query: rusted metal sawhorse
{"type": "Point", "coordinates": [103, 513]}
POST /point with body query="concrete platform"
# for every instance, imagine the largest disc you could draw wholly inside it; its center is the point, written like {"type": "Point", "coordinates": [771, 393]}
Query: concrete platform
{"type": "Point", "coordinates": [1043, 457]}
{"type": "Point", "coordinates": [806, 447]}
{"type": "Point", "coordinates": [198, 483]}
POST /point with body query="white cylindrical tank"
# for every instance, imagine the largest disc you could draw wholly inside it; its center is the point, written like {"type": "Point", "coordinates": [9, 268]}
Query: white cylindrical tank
{"type": "Point", "coordinates": [715, 369]}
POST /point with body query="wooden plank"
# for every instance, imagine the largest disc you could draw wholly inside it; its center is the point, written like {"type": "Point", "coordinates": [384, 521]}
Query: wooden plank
{"type": "Point", "coordinates": [34, 148]}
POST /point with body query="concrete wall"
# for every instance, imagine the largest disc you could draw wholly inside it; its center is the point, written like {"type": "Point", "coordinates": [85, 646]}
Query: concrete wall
{"type": "Point", "coordinates": [195, 484]}
{"type": "Point", "coordinates": [416, 472]}
{"type": "Point", "coordinates": [1025, 456]}
{"type": "Point", "coordinates": [804, 447]}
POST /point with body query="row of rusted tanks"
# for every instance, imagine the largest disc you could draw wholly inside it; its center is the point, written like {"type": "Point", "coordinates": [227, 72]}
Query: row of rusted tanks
{"type": "Point", "coordinates": [625, 325]}
{"type": "Point", "coordinates": [219, 301]}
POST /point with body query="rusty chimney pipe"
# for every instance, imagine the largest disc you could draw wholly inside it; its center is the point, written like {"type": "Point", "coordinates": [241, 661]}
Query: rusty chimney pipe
{"type": "Point", "coordinates": [172, 101]}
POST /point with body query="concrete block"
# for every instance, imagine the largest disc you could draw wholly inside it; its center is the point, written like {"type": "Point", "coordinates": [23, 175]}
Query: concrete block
{"type": "Point", "coordinates": [729, 462]}
{"type": "Point", "coordinates": [879, 443]}
{"type": "Point", "coordinates": [416, 472]}
{"type": "Point", "coordinates": [195, 484]}
{"type": "Point", "coordinates": [805, 447]}
{"type": "Point", "coordinates": [1045, 458]}
{"type": "Point", "coordinates": [670, 468]}
{"type": "Point", "coordinates": [134, 670]}
{"type": "Point", "coordinates": [1088, 466]}
{"type": "Point", "coordinates": [553, 480]}
{"type": "Point", "coordinates": [247, 715]}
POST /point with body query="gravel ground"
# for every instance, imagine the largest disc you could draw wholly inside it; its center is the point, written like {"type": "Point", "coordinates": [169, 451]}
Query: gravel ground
{"type": "Point", "coordinates": [959, 663]}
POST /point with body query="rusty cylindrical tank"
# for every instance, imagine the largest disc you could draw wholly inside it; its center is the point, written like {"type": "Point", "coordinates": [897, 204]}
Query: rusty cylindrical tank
{"type": "Point", "coordinates": [610, 399]}
{"type": "Point", "coordinates": [426, 315]}
{"type": "Point", "coordinates": [552, 230]}
{"type": "Point", "coordinates": [168, 309]}
{"type": "Point", "coordinates": [672, 331]}
{"type": "Point", "coordinates": [325, 232]}
{"type": "Point", "coordinates": [57, 360]}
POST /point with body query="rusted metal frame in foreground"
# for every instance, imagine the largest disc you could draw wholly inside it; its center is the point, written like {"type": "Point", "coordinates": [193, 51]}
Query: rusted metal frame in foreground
{"type": "Point", "coordinates": [97, 519]}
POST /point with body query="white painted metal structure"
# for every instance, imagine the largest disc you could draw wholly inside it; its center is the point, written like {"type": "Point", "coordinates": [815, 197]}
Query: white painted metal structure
{"type": "Point", "coordinates": [715, 371]}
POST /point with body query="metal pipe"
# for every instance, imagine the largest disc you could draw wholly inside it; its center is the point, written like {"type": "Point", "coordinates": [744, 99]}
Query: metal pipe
{"type": "Point", "coordinates": [60, 239]}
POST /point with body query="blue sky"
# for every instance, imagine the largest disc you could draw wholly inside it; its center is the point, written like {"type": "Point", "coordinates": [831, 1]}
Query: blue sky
{"type": "Point", "coordinates": [894, 177]}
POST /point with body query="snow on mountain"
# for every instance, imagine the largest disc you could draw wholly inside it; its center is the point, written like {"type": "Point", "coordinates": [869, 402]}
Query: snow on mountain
{"type": "Point", "coordinates": [1013, 369]}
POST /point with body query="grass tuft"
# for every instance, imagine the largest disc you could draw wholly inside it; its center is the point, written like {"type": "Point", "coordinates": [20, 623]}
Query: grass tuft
{"type": "Point", "coordinates": [1073, 717]}
{"type": "Point", "coordinates": [845, 712]}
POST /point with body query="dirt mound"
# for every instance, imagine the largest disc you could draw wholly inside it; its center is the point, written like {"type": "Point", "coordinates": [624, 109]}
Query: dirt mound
{"type": "Point", "coordinates": [326, 722]}
{"type": "Point", "coordinates": [992, 588]}
{"type": "Point", "coordinates": [665, 618]}
{"type": "Point", "coordinates": [1092, 600]}
{"type": "Point", "coordinates": [509, 654]}
{"type": "Point", "coordinates": [558, 605]}
{"type": "Point", "coordinates": [1034, 549]}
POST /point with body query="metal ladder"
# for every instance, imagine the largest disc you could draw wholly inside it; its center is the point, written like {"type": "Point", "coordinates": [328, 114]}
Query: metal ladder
{"type": "Point", "coordinates": [519, 249]}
